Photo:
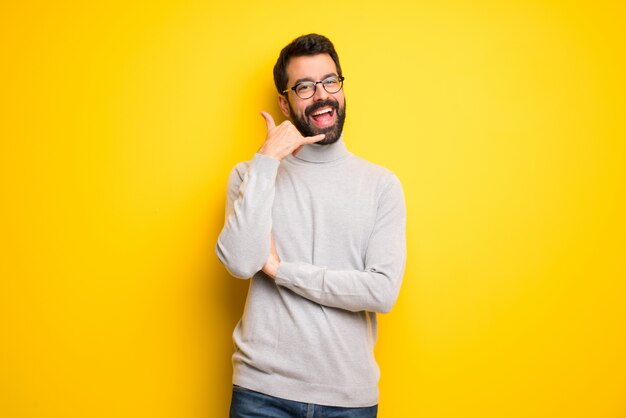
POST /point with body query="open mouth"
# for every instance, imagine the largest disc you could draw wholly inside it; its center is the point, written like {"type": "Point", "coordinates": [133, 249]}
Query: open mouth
{"type": "Point", "coordinates": [324, 116]}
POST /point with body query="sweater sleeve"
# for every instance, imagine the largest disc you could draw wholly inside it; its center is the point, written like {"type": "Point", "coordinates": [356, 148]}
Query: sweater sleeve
{"type": "Point", "coordinates": [374, 289]}
{"type": "Point", "coordinates": [243, 246]}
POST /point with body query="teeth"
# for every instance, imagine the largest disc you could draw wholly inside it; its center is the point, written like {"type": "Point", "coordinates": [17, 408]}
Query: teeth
{"type": "Point", "coordinates": [321, 112]}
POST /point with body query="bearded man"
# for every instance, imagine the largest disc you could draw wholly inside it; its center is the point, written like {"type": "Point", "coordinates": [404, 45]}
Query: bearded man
{"type": "Point", "coordinates": [321, 234]}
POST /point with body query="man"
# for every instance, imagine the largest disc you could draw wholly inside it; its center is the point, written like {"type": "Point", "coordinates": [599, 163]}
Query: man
{"type": "Point", "coordinates": [322, 234]}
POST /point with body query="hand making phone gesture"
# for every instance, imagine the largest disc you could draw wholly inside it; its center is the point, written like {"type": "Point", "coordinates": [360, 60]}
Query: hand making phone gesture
{"type": "Point", "coordinates": [284, 139]}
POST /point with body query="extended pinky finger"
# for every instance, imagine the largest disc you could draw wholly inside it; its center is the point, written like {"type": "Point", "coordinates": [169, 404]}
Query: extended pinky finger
{"type": "Point", "coordinates": [313, 139]}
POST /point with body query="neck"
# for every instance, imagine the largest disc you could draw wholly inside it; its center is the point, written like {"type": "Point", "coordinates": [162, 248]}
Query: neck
{"type": "Point", "coordinates": [316, 153]}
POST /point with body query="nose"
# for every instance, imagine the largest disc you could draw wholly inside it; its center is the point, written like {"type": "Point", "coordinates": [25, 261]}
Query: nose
{"type": "Point", "coordinates": [320, 93]}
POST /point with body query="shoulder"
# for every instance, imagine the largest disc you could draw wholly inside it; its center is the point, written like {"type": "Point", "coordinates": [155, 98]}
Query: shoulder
{"type": "Point", "coordinates": [237, 174]}
{"type": "Point", "coordinates": [382, 176]}
{"type": "Point", "coordinates": [240, 168]}
{"type": "Point", "coordinates": [260, 163]}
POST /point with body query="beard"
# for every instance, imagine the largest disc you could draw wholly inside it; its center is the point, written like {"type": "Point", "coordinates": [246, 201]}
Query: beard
{"type": "Point", "coordinates": [306, 128]}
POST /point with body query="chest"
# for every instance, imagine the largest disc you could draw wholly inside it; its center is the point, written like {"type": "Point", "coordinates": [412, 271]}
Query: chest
{"type": "Point", "coordinates": [324, 213]}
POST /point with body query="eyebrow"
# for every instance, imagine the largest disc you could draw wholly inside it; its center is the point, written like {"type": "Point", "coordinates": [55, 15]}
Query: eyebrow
{"type": "Point", "coordinates": [300, 80]}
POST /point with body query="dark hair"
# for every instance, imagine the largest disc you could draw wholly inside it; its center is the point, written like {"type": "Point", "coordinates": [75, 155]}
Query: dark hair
{"type": "Point", "coordinates": [311, 44]}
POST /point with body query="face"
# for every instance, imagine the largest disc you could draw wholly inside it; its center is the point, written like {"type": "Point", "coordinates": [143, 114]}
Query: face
{"type": "Point", "coordinates": [324, 113]}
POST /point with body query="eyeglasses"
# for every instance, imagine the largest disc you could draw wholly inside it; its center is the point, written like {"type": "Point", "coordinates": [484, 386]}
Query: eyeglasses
{"type": "Point", "coordinates": [306, 89]}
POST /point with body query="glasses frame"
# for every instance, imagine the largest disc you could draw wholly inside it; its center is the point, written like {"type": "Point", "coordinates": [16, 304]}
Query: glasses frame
{"type": "Point", "coordinates": [315, 83]}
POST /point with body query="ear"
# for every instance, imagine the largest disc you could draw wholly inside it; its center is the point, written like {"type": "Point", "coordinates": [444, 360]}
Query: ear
{"type": "Point", "coordinates": [284, 106]}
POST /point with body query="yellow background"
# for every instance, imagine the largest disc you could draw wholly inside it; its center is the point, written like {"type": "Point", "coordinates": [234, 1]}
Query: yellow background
{"type": "Point", "coordinates": [504, 120]}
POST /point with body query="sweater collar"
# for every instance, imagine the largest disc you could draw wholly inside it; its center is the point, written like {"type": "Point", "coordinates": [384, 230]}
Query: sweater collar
{"type": "Point", "coordinates": [315, 153]}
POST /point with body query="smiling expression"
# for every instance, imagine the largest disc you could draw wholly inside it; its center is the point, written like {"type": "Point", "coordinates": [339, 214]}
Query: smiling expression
{"type": "Point", "coordinates": [322, 113]}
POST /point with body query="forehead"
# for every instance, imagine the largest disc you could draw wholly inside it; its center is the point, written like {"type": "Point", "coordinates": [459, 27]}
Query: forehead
{"type": "Point", "coordinates": [310, 66]}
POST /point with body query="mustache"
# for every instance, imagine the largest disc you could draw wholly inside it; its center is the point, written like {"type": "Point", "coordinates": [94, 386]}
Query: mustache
{"type": "Point", "coordinates": [317, 105]}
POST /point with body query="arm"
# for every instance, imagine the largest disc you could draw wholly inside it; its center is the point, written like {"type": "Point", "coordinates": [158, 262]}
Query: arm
{"type": "Point", "coordinates": [243, 245]}
{"type": "Point", "coordinates": [374, 289]}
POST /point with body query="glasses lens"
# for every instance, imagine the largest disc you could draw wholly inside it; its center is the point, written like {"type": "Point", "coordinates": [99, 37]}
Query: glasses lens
{"type": "Point", "coordinates": [305, 90]}
{"type": "Point", "coordinates": [332, 84]}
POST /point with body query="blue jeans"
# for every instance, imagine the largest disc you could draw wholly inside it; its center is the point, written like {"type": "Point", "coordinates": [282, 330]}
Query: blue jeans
{"type": "Point", "coordinates": [250, 404]}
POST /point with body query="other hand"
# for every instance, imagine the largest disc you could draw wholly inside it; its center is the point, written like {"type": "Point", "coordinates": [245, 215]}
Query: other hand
{"type": "Point", "coordinates": [273, 261]}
